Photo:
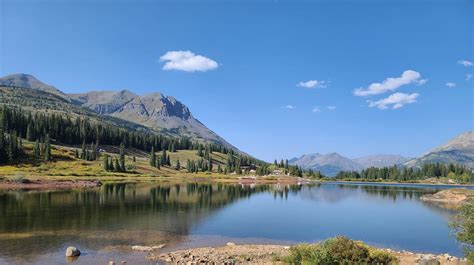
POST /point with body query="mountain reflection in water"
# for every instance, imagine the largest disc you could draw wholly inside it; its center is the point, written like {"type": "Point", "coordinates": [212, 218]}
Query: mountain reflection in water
{"type": "Point", "coordinates": [116, 216]}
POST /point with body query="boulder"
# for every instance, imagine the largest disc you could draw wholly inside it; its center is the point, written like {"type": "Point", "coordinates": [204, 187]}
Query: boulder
{"type": "Point", "coordinates": [142, 248]}
{"type": "Point", "coordinates": [73, 252]}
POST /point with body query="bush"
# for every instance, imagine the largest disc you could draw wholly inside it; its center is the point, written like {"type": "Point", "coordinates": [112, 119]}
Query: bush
{"type": "Point", "coordinates": [338, 250]}
{"type": "Point", "coordinates": [463, 225]}
{"type": "Point", "coordinates": [20, 179]}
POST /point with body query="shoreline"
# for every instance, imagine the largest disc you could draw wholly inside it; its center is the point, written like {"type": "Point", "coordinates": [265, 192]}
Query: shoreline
{"type": "Point", "coordinates": [66, 182]}
{"type": "Point", "coordinates": [391, 183]}
{"type": "Point", "coordinates": [44, 184]}
{"type": "Point", "coordinates": [232, 253]}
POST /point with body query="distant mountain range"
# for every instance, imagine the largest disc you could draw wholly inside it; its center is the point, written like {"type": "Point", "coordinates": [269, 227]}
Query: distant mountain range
{"type": "Point", "coordinates": [330, 164]}
{"type": "Point", "coordinates": [459, 150]}
{"type": "Point", "coordinates": [156, 112]}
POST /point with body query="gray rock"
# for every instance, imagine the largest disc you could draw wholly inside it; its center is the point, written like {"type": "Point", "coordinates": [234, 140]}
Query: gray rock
{"type": "Point", "coordinates": [428, 259]}
{"type": "Point", "coordinates": [73, 252]}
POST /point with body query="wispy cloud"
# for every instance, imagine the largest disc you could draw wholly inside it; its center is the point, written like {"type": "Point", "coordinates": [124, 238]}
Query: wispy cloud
{"type": "Point", "coordinates": [290, 107]}
{"type": "Point", "coordinates": [316, 109]}
{"type": "Point", "coordinates": [187, 61]}
{"type": "Point", "coordinates": [395, 101]}
{"type": "Point", "coordinates": [331, 107]}
{"type": "Point", "coordinates": [465, 63]}
{"type": "Point", "coordinates": [422, 82]}
{"type": "Point", "coordinates": [450, 84]}
{"type": "Point", "coordinates": [313, 84]}
{"type": "Point", "coordinates": [468, 77]}
{"type": "Point", "coordinates": [390, 84]}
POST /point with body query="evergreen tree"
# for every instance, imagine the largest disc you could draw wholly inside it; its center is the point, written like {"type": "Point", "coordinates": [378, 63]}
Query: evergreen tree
{"type": "Point", "coordinates": [117, 165]}
{"type": "Point", "coordinates": [152, 157]}
{"type": "Point", "coordinates": [105, 162]}
{"type": "Point", "coordinates": [47, 149]}
{"type": "Point", "coordinates": [37, 150]}
{"type": "Point", "coordinates": [122, 157]}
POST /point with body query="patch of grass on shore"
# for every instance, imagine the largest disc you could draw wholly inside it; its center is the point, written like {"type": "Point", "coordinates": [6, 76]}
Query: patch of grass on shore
{"type": "Point", "coordinates": [337, 250]}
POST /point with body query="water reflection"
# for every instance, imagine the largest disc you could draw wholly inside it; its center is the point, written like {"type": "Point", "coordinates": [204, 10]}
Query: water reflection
{"type": "Point", "coordinates": [124, 214]}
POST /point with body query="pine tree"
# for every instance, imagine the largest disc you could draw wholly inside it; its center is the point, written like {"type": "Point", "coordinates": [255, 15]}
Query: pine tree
{"type": "Point", "coordinates": [111, 164]}
{"type": "Point", "coordinates": [105, 162]}
{"type": "Point", "coordinates": [122, 157]}
{"type": "Point", "coordinates": [117, 165]}
{"type": "Point", "coordinates": [37, 150]}
{"type": "Point", "coordinates": [47, 149]}
{"type": "Point", "coordinates": [29, 132]}
{"type": "Point", "coordinates": [152, 157]}
{"type": "Point", "coordinates": [163, 159]}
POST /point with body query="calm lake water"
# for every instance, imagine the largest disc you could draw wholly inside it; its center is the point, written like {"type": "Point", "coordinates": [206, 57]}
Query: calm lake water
{"type": "Point", "coordinates": [37, 227]}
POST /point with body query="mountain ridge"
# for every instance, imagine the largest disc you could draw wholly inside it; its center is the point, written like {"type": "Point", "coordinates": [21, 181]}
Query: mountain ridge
{"type": "Point", "coordinates": [458, 150]}
{"type": "Point", "coordinates": [162, 114]}
{"type": "Point", "coordinates": [331, 163]}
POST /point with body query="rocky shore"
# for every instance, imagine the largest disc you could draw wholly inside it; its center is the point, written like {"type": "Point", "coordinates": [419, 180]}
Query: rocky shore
{"type": "Point", "coordinates": [272, 254]}
{"type": "Point", "coordinates": [449, 198]}
{"type": "Point", "coordinates": [27, 184]}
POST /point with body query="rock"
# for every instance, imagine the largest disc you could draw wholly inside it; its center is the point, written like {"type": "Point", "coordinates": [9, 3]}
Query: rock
{"type": "Point", "coordinates": [428, 259]}
{"type": "Point", "coordinates": [159, 246]}
{"type": "Point", "coordinates": [142, 248]}
{"type": "Point", "coordinates": [230, 244]}
{"type": "Point", "coordinates": [72, 252]}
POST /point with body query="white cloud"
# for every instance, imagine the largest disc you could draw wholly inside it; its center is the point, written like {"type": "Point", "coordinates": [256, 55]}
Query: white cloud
{"type": "Point", "coordinates": [187, 61]}
{"type": "Point", "coordinates": [312, 84]}
{"type": "Point", "coordinates": [465, 63]}
{"type": "Point", "coordinates": [331, 107]}
{"type": "Point", "coordinates": [316, 109]}
{"type": "Point", "coordinates": [291, 107]}
{"type": "Point", "coordinates": [395, 101]}
{"type": "Point", "coordinates": [422, 82]}
{"type": "Point", "coordinates": [468, 77]}
{"type": "Point", "coordinates": [450, 84]}
{"type": "Point", "coordinates": [390, 84]}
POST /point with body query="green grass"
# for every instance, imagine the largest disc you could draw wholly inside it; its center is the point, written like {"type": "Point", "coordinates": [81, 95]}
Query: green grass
{"type": "Point", "coordinates": [65, 166]}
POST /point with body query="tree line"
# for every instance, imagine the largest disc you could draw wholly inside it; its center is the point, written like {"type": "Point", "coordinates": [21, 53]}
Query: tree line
{"type": "Point", "coordinates": [16, 123]}
{"type": "Point", "coordinates": [395, 173]}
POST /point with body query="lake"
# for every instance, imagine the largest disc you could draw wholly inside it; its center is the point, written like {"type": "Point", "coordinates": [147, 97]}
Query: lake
{"type": "Point", "coordinates": [37, 227]}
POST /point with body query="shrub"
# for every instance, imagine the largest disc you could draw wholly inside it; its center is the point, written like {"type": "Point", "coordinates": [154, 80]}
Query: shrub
{"type": "Point", "coordinates": [19, 179]}
{"type": "Point", "coordinates": [338, 250]}
{"type": "Point", "coordinates": [463, 225]}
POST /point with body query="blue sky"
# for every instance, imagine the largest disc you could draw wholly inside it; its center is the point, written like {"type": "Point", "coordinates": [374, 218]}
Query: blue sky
{"type": "Point", "coordinates": [250, 61]}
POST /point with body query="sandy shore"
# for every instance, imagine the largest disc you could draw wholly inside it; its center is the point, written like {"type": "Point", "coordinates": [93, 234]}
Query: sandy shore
{"type": "Point", "coordinates": [271, 254]}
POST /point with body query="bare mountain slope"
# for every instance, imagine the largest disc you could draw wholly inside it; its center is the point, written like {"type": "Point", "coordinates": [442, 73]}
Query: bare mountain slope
{"type": "Point", "coordinates": [459, 150]}
{"type": "Point", "coordinates": [329, 164]}
{"type": "Point", "coordinates": [380, 160]}
{"type": "Point", "coordinates": [29, 81]}
{"type": "Point", "coordinates": [163, 114]}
